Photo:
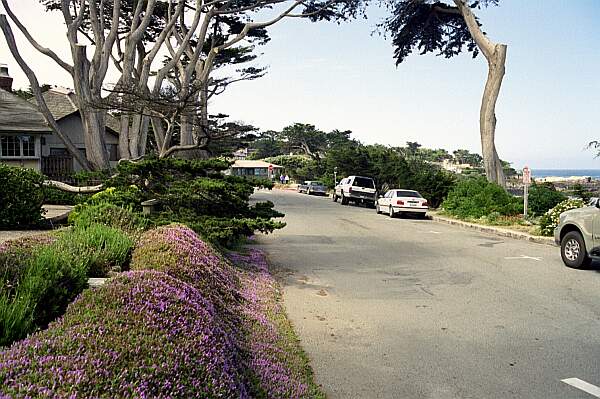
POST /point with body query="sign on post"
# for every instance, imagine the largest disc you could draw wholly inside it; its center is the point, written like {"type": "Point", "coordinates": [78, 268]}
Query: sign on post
{"type": "Point", "coordinates": [526, 183]}
{"type": "Point", "coordinates": [270, 171]}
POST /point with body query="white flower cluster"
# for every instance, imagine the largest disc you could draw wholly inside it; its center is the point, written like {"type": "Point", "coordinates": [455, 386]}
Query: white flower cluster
{"type": "Point", "coordinates": [550, 220]}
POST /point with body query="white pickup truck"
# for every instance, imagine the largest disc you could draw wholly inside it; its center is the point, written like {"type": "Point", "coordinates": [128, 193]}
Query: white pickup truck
{"type": "Point", "coordinates": [358, 189]}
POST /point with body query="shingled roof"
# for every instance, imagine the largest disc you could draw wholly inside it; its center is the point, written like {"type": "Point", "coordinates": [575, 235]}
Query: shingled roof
{"type": "Point", "coordinates": [62, 102]}
{"type": "Point", "coordinates": [18, 115]}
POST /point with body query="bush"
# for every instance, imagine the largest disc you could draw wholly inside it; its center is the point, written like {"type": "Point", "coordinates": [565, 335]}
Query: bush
{"type": "Point", "coordinates": [55, 196]}
{"type": "Point", "coordinates": [125, 197]}
{"type": "Point", "coordinates": [21, 197]}
{"type": "Point", "coordinates": [97, 248]}
{"type": "Point", "coordinates": [109, 215]}
{"type": "Point", "coordinates": [40, 282]}
{"type": "Point", "coordinates": [543, 197]}
{"type": "Point", "coordinates": [179, 252]}
{"type": "Point", "coordinates": [476, 197]}
{"type": "Point", "coordinates": [144, 334]}
{"type": "Point", "coordinates": [549, 221]}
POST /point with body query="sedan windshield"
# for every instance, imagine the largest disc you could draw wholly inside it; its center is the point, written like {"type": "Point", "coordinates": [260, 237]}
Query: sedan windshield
{"type": "Point", "coordinates": [410, 194]}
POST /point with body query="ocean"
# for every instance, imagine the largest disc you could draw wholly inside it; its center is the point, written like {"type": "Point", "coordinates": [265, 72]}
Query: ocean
{"type": "Point", "coordinates": [593, 173]}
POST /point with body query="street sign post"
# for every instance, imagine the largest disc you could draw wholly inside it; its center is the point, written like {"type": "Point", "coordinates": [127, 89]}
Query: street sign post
{"type": "Point", "coordinates": [526, 183]}
{"type": "Point", "coordinates": [270, 171]}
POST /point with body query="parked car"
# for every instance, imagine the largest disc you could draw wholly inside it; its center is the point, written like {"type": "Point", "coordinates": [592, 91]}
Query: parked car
{"type": "Point", "coordinates": [312, 187]}
{"type": "Point", "coordinates": [358, 189]}
{"type": "Point", "coordinates": [399, 201]}
{"type": "Point", "coordinates": [578, 234]}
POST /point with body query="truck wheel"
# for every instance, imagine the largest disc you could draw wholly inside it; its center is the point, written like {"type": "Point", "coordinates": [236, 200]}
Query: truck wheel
{"type": "Point", "coordinates": [334, 197]}
{"type": "Point", "coordinates": [573, 251]}
{"type": "Point", "coordinates": [344, 200]}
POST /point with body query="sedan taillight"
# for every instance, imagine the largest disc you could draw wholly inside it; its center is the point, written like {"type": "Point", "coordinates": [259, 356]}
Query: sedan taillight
{"type": "Point", "coordinates": [399, 202]}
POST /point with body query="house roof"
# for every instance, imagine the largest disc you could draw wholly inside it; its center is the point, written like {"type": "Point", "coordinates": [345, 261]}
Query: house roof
{"type": "Point", "coordinates": [253, 164]}
{"type": "Point", "coordinates": [62, 102]}
{"type": "Point", "coordinates": [18, 115]}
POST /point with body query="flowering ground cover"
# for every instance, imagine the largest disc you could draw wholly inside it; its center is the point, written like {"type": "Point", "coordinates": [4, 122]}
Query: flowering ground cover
{"type": "Point", "coordinates": [275, 356]}
{"type": "Point", "coordinates": [185, 323]}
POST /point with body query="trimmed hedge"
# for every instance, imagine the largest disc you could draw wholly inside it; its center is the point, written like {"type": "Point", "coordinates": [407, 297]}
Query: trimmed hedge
{"type": "Point", "coordinates": [21, 197]}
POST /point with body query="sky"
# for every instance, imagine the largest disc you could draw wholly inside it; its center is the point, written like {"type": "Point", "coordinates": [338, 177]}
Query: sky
{"type": "Point", "coordinates": [344, 77]}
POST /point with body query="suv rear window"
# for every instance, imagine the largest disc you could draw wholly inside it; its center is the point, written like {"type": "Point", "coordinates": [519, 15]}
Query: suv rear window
{"type": "Point", "coordinates": [363, 182]}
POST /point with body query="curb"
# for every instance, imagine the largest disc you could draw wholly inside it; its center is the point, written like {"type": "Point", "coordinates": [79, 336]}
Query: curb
{"type": "Point", "coordinates": [495, 230]}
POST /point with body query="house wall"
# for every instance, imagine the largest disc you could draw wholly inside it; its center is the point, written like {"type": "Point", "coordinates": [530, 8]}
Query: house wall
{"type": "Point", "coordinates": [73, 128]}
{"type": "Point", "coordinates": [23, 163]}
{"type": "Point", "coordinates": [28, 162]}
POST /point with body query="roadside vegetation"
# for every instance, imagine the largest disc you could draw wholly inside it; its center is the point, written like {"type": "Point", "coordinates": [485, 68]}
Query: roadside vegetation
{"type": "Point", "coordinates": [180, 314]}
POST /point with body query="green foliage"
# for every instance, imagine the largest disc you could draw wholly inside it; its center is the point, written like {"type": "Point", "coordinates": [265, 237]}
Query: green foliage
{"type": "Point", "coordinates": [125, 197]}
{"type": "Point", "coordinates": [543, 197]}
{"type": "Point", "coordinates": [21, 197]}
{"type": "Point", "coordinates": [109, 215]}
{"type": "Point", "coordinates": [195, 193]}
{"type": "Point", "coordinates": [38, 283]}
{"type": "Point", "coordinates": [297, 167]}
{"type": "Point", "coordinates": [55, 196]}
{"type": "Point", "coordinates": [549, 220]}
{"type": "Point", "coordinates": [580, 192]}
{"type": "Point", "coordinates": [475, 198]}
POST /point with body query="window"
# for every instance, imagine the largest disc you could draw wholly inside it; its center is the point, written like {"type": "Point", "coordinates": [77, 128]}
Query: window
{"type": "Point", "coordinates": [363, 182]}
{"type": "Point", "coordinates": [409, 194]}
{"type": "Point", "coordinates": [17, 146]}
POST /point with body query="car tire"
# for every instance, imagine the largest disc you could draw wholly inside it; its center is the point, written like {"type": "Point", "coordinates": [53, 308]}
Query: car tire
{"type": "Point", "coordinates": [391, 212]}
{"type": "Point", "coordinates": [308, 191]}
{"type": "Point", "coordinates": [344, 200]}
{"type": "Point", "coordinates": [573, 251]}
{"type": "Point", "coordinates": [377, 210]}
{"type": "Point", "coordinates": [334, 197]}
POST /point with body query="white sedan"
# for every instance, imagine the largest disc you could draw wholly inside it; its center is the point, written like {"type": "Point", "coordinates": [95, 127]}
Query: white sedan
{"type": "Point", "coordinates": [398, 201]}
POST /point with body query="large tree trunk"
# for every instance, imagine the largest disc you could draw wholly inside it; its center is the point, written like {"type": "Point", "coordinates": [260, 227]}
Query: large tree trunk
{"type": "Point", "coordinates": [487, 116]}
{"type": "Point", "coordinates": [94, 128]}
{"type": "Point", "coordinates": [495, 54]}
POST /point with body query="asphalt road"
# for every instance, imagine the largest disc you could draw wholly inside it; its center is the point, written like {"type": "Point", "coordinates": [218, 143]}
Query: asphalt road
{"type": "Point", "coordinates": [406, 308]}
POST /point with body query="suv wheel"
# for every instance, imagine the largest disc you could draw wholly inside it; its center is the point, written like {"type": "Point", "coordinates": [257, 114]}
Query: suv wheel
{"type": "Point", "coordinates": [334, 197]}
{"type": "Point", "coordinates": [573, 251]}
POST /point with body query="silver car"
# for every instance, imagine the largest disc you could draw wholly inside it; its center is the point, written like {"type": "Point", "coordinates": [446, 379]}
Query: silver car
{"type": "Point", "coordinates": [312, 187]}
{"type": "Point", "coordinates": [578, 234]}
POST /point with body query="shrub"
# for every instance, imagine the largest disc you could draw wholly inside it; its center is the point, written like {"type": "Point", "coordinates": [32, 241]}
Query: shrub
{"type": "Point", "coordinates": [55, 196]}
{"type": "Point", "coordinates": [48, 284]}
{"type": "Point", "coordinates": [42, 281]}
{"type": "Point", "coordinates": [144, 334]}
{"type": "Point", "coordinates": [476, 197]}
{"type": "Point", "coordinates": [179, 252]}
{"type": "Point", "coordinates": [21, 196]}
{"type": "Point", "coordinates": [109, 215]}
{"type": "Point", "coordinates": [549, 221]}
{"type": "Point", "coordinates": [543, 197]}
{"type": "Point", "coordinates": [98, 248]}
{"type": "Point", "coordinates": [125, 197]}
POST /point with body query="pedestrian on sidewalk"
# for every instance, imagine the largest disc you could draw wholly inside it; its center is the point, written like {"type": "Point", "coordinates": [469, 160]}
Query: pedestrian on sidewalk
{"type": "Point", "coordinates": [286, 179]}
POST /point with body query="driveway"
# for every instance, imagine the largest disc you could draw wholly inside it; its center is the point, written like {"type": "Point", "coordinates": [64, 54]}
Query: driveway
{"type": "Point", "coordinates": [404, 308]}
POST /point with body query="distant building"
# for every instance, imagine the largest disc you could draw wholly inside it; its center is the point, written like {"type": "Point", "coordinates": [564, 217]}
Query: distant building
{"type": "Point", "coordinates": [454, 166]}
{"type": "Point", "coordinates": [27, 141]}
{"type": "Point", "coordinates": [255, 169]}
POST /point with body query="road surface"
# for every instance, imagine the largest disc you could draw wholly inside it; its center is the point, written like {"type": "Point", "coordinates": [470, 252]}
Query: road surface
{"type": "Point", "coordinates": [406, 308]}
